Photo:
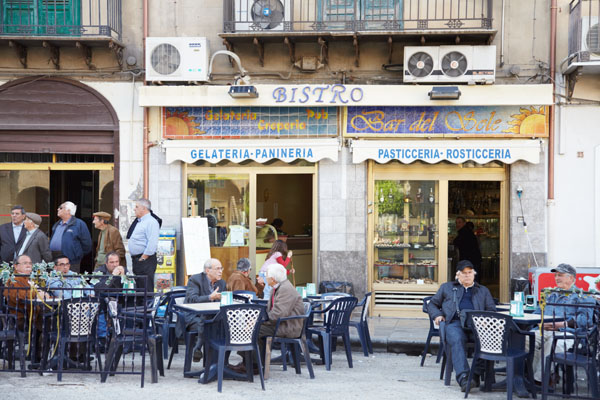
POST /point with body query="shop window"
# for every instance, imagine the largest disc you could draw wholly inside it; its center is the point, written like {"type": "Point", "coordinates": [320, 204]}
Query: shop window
{"type": "Point", "coordinates": [406, 232]}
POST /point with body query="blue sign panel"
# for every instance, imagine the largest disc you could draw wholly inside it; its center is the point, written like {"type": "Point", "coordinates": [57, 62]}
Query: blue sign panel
{"type": "Point", "coordinates": [246, 122]}
{"type": "Point", "coordinates": [509, 121]}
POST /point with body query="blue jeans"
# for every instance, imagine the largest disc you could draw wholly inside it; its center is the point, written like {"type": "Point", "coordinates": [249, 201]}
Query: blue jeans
{"type": "Point", "coordinates": [456, 340]}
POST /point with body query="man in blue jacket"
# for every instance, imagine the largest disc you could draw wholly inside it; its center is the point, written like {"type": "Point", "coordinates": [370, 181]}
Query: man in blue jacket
{"type": "Point", "coordinates": [462, 294]}
{"type": "Point", "coordinates": [70, 236]}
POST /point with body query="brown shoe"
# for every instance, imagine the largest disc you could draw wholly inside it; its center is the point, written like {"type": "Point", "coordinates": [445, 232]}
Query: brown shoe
{"type": "Point", "coordinates": [239, 368]}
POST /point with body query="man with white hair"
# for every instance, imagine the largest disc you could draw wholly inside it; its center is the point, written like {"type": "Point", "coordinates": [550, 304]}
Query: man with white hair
{"type": "Point", "coordinates": [204, 287]}
{"type": "Point", "coordinates": [143, 243]}
{"type": "Point", "coordinates": [70, 236]}
{"type": "Point", "coordinates": [285, 301]}
{"type": "Point", "coordinates": [36, 242]}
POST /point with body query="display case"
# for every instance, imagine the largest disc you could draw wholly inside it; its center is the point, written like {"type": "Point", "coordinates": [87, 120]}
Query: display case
{"type": "Point", "coordinates": [406, 237]}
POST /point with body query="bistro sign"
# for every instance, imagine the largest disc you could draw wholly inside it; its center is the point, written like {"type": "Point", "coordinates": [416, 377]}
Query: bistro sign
{"type": "Point", "coordinates": [472, 121]}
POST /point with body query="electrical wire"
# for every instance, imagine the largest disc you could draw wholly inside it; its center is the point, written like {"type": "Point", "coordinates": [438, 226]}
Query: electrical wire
{"type": "Point", "coordinates": [525, 229]}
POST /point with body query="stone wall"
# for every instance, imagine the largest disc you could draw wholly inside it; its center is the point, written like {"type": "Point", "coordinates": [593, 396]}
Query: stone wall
{"type": "Point", "coordinates": [532, 179]}
{"type": "Point", "coordinates": [343, 222]}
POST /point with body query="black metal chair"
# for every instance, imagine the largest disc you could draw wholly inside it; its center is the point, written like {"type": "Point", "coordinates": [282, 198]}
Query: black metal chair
{"type": "Point", "coordinates": [433, 332]}
{"type": "Point", "coordinates": [336, 323]}
{"type": "Point", "coordinates": [131, 330]}
{"type": "Point", "coordinates": [240, 324]}
{"type": "Point", "coordinates": [9, 333]}
{"type": "Point", "coordinates": [299, 345]}
{"type": "Point", "coordinates": [362, 326]}
{"type": "Point", "coordinates": [583, 354]}
{"type": "Point", "coordinates": [492, 342]}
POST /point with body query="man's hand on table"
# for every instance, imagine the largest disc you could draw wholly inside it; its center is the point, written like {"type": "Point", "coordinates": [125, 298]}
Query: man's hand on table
{"type": "Point", "coordinates": [215, 295]}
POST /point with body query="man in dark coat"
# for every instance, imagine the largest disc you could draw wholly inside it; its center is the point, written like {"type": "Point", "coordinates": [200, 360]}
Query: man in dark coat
{"type": "Point", "coordinates": [35, 244]}
{"type": "Point", "coordinates": [461, 294]}
{"type": "Point", "coordinates": [467, 244]}
{"type": "Point", "coordinates": [70, 236]}
{"type": "Point", "coordinates": [202, 288]}
{"type": "Point", "coordinates": [12, 235]}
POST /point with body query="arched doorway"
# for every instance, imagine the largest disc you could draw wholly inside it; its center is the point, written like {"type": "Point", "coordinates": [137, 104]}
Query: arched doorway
{"type": "Point", "coordinates": [59, 140]}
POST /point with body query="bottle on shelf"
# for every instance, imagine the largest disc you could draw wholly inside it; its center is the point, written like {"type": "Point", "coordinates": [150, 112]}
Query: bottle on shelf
{"type": "Point", "coordinates": [419, 196]}
{"type": "Point", "coordinates": [431, 197]}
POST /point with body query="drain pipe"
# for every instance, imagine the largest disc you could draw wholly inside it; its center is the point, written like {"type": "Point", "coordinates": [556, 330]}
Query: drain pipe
{"type": "Point", "coordinates": [145, 121]}
{"type": "Point", "coordinates": [553, 12]}
{"type": "Point", "coordinates": [502, 38]}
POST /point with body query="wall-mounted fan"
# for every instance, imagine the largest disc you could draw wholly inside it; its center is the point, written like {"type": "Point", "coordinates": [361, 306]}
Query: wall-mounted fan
{"type": "Point", "coordinates": [268, 14]}
{"type": "Point", "coordinates": [420, 64]}
{"type": "Point", "coordinates": [165, 59]}
{"type": "Point", "coordinates": [454, 64]}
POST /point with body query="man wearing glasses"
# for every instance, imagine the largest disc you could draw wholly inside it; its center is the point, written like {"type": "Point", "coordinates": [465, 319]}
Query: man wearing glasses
{"type": "Point", "coordinates": [70, 236]}
{"type": "Point", "coordinates": [70, 280]}
{"type": "Point", "coordinates": [202, 288]}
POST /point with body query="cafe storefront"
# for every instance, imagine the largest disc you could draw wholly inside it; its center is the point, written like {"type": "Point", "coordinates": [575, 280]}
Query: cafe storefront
{"type": "Point", "coordinates": [246, 167]}
{"type": "Point", "coordinates": [367, 179]}
{"type": "Point", "coordinates": [426, 167]}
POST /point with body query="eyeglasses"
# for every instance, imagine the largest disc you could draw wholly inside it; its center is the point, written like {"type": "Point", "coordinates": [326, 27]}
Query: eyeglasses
{"type": "Point", "coordinates": [25, 263]}
{"type": "Point", "coordinates": [217, 268]}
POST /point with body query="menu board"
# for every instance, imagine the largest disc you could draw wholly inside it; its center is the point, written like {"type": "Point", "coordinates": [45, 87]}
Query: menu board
{"type": "Point", "coordinates": [196, 246]}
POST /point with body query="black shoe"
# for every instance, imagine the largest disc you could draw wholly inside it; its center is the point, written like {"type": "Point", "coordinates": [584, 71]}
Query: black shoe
{"type": "Point", "coordinates": [476, 381]}
{"type": "Point", "coordinates": [463, 383]}
{"type": "Point", "coordinates": [197, 355]}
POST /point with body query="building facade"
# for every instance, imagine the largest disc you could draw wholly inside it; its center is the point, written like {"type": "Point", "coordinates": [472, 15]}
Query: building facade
{"type": "Point", "coordinates": [367, 127]}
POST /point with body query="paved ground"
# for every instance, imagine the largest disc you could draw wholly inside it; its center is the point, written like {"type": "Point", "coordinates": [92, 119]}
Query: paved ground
{"type": "Point", "coordinates": [380, 376]}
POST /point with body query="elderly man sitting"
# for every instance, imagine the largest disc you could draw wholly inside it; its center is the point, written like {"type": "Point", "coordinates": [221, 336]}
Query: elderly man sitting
{"type": "Point", "coordinates": [576, 317]}
{"type": "Point", "coordinates": [67, 280]}
{"type": "Point", "coordinates": [202, 288]}
{"type": "Point", "coordinates": [285, 301]}
{"type": "Point", "coordinates": [240, 280]}
{"type": "Point", "coordinates": [461, 294]}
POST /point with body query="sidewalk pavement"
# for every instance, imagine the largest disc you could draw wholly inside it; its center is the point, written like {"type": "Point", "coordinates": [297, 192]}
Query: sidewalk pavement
{"type": "Point", "coordinates": [398, 335]}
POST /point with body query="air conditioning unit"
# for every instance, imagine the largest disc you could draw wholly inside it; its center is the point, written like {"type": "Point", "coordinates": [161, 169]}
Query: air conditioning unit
{"type": "Point", "coordinates": [590, 32]}
{"type": "Point", "coordinates": [452, 64]}
{"type": "Point", "coordinates": [177, 59]}
{"type": "Point", "coordinates": [261, 15]}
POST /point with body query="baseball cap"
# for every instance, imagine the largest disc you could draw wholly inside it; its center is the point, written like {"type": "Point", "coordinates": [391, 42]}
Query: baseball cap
{"type": "Point", "coordinates": [464, 264]}
{"type": "Point", "coordinates": [565, 269]}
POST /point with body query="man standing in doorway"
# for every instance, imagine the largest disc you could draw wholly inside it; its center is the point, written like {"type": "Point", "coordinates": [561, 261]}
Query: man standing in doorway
{"type": "Point", "coordinates": [143, 243]}
{"type": "Point", "coordinates": [70, 236]}
{"type": "Point", "coordinates": [12, 235]}
{"type": "Point", "coordinates": [109, 239]}
{"type": "Point", "coordinates": [468, 246]}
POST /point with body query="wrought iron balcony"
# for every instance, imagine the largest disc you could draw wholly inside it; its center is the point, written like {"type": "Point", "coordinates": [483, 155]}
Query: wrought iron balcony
{"type": "Point", "coordinates": [285, 17]}
{"type": "Point", "coordinates": [60, 18]}
{"type": "Point", "coordinates": [584, 31]}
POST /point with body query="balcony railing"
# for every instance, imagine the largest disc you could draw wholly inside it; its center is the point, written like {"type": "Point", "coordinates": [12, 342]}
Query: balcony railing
{"type": "Point", "coordinates": [61, 18]}
{"type": "Point", "coordinates": [304, 16]}
{"type": "Point", "coordinates": [584, 30]}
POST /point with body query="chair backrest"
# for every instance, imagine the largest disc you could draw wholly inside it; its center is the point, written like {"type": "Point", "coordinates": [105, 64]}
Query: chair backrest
{"type": "Point", "coordinates": [241, 323]}
{"type": "Point", "coordinates": [426, 301]}
{"type": "Point", "coordinates": [338, 314]}
{"type": "Point", "coordinates": [491, 331]}
{"type": "Point", "coordinates": [80, 315]}
{"type": "Point", "coordinates": [365, 306]}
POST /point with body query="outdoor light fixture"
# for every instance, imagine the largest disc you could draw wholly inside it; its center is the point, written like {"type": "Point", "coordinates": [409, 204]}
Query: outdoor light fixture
{"type": "Point", "coordinates": [444, 93]}
{"type": "Point", "coordinates": [243, 92]}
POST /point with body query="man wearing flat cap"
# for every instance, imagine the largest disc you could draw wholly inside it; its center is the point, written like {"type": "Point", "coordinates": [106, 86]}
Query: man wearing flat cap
{"type": "Point", "coordinates": [109, 239]}
{"type": "Point", "coordinates": [461, 294]}
{"type": "Point", "coordinates": [574, 317]}
{"type": "Point", "coordinates": [36, 244]}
